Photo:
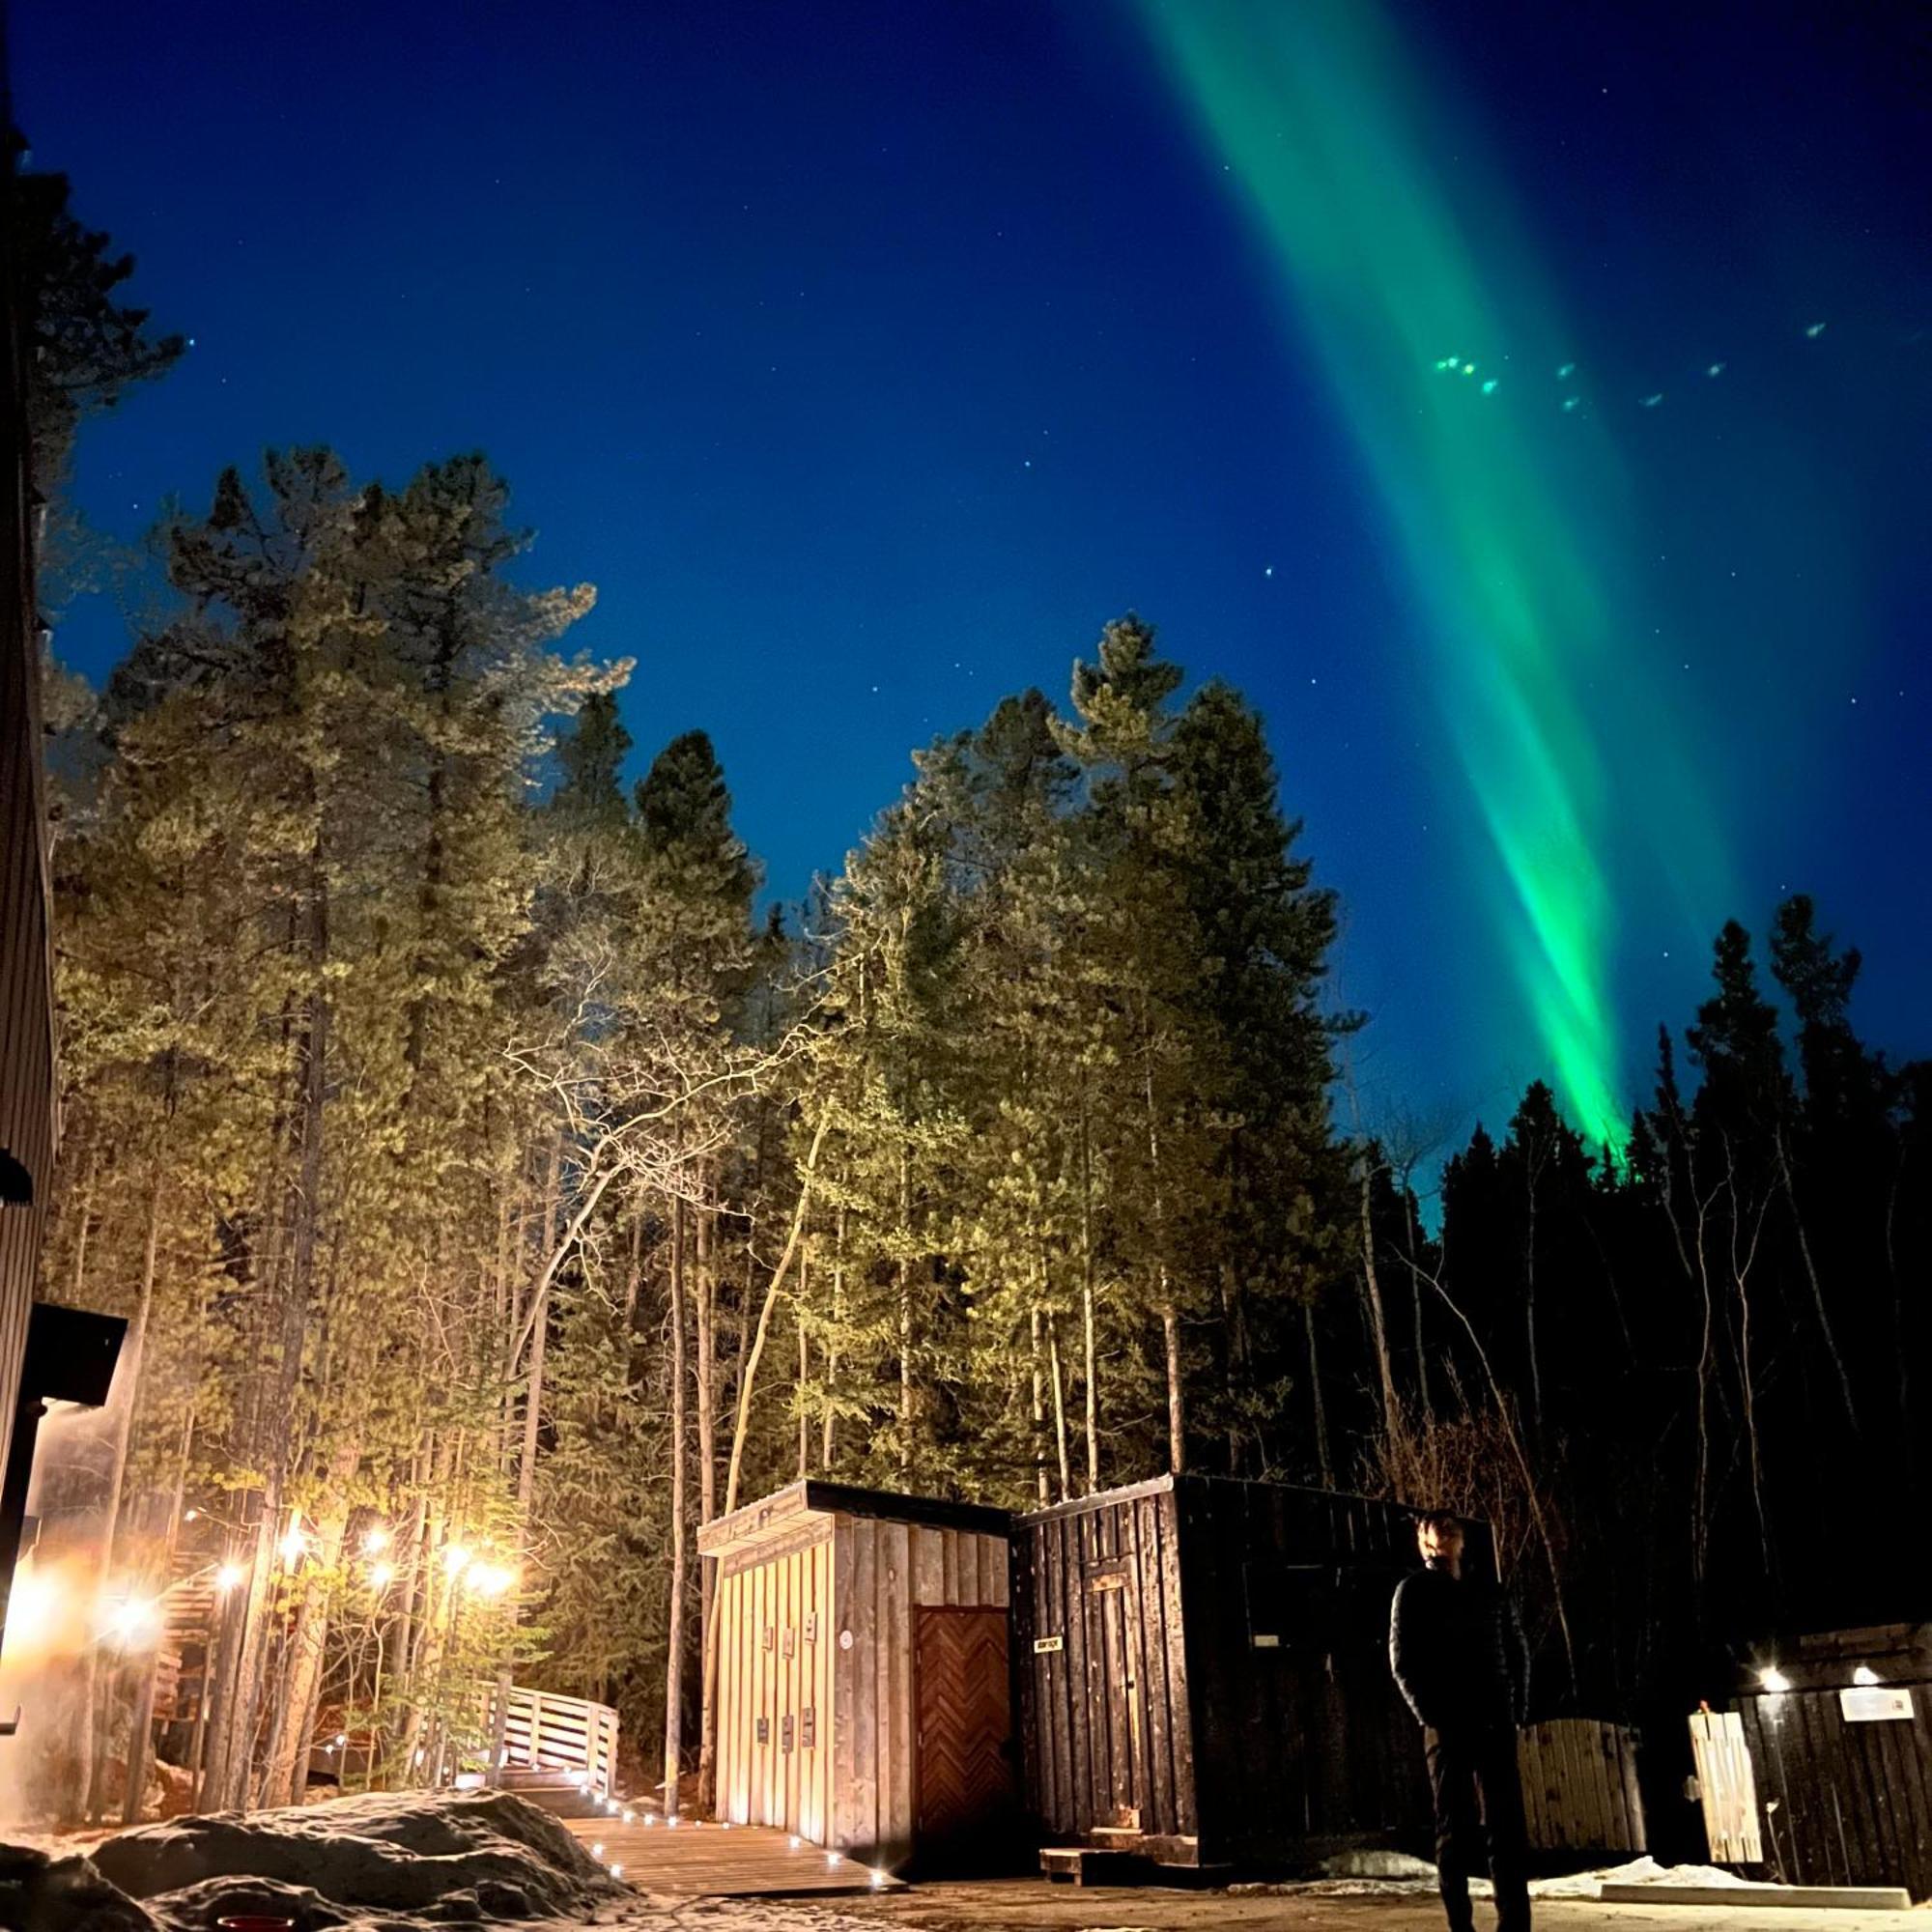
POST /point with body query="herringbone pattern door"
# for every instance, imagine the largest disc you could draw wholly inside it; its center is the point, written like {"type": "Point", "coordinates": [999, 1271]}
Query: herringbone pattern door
{"type": "Point", "coordinates": [965, 1794]}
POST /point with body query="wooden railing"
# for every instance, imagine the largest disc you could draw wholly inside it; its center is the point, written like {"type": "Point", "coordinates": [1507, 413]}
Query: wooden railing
{"type": "Point", "coordinates": [542, 1731]}
{"type": "Point", "coordinates": [1580, 1786]}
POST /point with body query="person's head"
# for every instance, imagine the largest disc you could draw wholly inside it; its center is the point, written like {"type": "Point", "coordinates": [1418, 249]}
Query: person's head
{"type": "Point", "coordinates": [1438, 1536]}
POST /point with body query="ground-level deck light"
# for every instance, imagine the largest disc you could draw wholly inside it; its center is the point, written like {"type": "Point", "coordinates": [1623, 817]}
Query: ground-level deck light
{"type": "Point", "coordinates": [1773, 1680]}
{"type": "Point", "coordinates": [1865, 1677]}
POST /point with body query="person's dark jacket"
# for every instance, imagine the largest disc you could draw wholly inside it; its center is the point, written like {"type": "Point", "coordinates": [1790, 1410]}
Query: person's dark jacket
{"type": "Point", "coordinates": [1458, 1652]}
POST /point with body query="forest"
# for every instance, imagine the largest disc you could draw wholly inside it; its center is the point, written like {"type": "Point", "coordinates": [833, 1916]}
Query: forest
{"type": "Point", "coordinates": [499, 1185]}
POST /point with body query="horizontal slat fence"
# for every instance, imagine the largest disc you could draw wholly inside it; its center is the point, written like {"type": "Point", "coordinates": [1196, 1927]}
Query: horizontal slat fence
{"type": "Point", "coordinates": [1580, 1786]}
{"type": "Point", "coordinates": [549, 1732]}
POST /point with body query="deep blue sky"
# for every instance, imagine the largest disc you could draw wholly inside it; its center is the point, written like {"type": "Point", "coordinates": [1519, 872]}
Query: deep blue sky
{"type": "Point", "coordinates": [866, 357]}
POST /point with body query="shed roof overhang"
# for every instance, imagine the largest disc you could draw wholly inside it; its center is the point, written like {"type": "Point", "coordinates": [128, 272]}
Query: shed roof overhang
{"type": "Point", "coordinates": [799, 1503]}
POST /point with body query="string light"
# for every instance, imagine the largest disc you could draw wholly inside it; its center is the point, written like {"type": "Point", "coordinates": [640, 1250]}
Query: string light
{"type": "Point", "coordinates": [228, 1577]}
{"type": "Point", "coordinates": [132, 1620]}
{"type": "Point", "coordinates": [382, 1575]}
{"type": "Point", "coordinates": [375, 1541]}
{"type": "Point", "coordinates": [456, 1559]}
{"type": "Point", "coordinates": [293, 1546]}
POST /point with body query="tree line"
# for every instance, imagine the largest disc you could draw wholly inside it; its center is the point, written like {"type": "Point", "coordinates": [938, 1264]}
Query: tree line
{"type": "Point", "coordinates": [498, 1191]}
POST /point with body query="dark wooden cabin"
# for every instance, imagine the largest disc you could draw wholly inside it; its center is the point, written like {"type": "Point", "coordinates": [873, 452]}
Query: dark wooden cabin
{"type": "Point", "coordinates": [1204, 1673]}
{"type": "Point", "coordinates": [1842, 1758]}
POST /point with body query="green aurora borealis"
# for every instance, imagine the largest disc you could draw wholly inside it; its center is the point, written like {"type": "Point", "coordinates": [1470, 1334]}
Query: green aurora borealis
{"type": "Point", "coordinates": [1398, 247]}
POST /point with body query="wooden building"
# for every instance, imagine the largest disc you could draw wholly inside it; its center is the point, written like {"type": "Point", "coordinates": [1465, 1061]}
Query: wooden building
{"type": "Point", "coordinates": [26, 979]}
{"type": "Point", "coordinates": [1205, 1673]}
{"type": "Point", "coordinates": [1841, 1759]}
{"type": "Point", "coordinates": [46, 1353]}
{"type": "Point", "coordinates": [862, 1696]}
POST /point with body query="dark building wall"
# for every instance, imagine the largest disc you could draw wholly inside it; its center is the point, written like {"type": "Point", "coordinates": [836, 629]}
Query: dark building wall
{"type": "Point", "coordinates": [26, 994]}
{"type": "Point", "coordinates": [1204, 1665]}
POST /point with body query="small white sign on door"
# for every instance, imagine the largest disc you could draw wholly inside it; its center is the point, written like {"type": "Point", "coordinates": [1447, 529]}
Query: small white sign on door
{"type": "Point", "coordinates": [1874, 1704]}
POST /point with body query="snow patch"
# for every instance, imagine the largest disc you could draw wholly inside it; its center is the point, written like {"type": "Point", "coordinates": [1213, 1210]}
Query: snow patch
{"type": "Point", "coordinates": [389, 1862]}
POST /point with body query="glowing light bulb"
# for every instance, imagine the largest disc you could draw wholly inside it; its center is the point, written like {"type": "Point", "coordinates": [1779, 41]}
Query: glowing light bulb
{"type": "Point", "coordinates": [670, 1823]}
{"type": "Point", "coordinates": [456, 1559]}
{"type": "Point", "coordinates": [616, 1871]}
{"type": "Point", "coordinates": [190, 1515]}
{"type": "Point", "coordinates": [375, 1541]}
{"type": "Point", "coordinates": [132, 1620]}
{"type": "Point", "coordinates": [630, 1817]}
{"type": "Point", "coordinates": [650, 1817]}
{"type": "Point", "coordinates": [1865, 1674]}
{"type": "Point", "coordinates": [490, 1580]}
{"type": "Point", "coordinates": [832, 1858]}
{"type": "Point", "coordinates": [1773, 1680]}
{"type": "Point", "coordinates": [597, 1848]}
{"type": "Point", "coordinates": [382, 1575]}
{"type": "Point", "coordinates": [229, 1576]}
{"type": "Point", "coordinates": [795, 1844]}
{"type": "Point", "coordinates": [878, 1880]}
{"type": "Point", "coordinates": [293, 1545]}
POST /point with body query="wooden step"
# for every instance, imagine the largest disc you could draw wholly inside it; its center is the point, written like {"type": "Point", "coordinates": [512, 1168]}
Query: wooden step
{"type": "Point", "coordinates": [1089, 1865]}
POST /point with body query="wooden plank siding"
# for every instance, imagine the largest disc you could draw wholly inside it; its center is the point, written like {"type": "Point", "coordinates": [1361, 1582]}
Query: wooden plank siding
{"type": "Point", "coordinates": [1202, 1666]}
{"type": "Point", "coordinates": [815, 1697]}
{"type": "Point", "coordinates": [28, 1120]}
{"type": "Point", "coordinates": [1580, 1786]}
{"type": "Point", "coordinates": [1842, 1803]}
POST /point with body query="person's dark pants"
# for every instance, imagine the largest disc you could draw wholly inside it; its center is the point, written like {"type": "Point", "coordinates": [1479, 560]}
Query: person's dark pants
{"type": "Point", "coordinates": [1478, 1794]}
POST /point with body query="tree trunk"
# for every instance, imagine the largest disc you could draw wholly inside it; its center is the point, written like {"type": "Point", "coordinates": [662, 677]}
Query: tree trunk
{"type": "Point", "coordinates": [1091, 1391]}
{"type": "Point", "coordinates": [1059, 1407]}
{"type": "Point", "coordinates": [1323, 1460]}
{"type": "Point", "coordinates": [673, 1727]}
{"type": "Point", "coordinates": [287, 1773]}
{"type": "Point", "coordinates": [129, 1388]}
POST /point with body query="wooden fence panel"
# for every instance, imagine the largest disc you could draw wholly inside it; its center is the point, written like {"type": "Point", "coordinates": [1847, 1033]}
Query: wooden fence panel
{"type": "Point", "coordinates": [1726, 1788]}
{"type": "Point", "coordinates": [1580, 1786]}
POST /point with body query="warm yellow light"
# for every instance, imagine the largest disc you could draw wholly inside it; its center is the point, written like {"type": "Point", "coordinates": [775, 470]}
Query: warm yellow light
{"type": "Point", "coordinates": [32, 1609]}
{"type": "Point", "coordinates": [228, 1576]}
{"type": "Point", "coordinates": [375, 1541]}
{"type": "Point", "coordinates": [456, 1559]}
{"type": "Point", "coordinates": [491, 1580]}
{"type": "Point", "coordinates": [382, 1575]}
{"type": "Point", "coordinates": [191, 1515]}
{"type": "Point", "coordinates": [131, 1620]}
{"type": "Point", "coordinates": [616, 1871]}
{"type": "Point", "coordinates": [293, 1546]}
{"type": "Point", "coordinates": [1865, 1675]}
{"type": "Point", "coordinates": [1773, 1680]}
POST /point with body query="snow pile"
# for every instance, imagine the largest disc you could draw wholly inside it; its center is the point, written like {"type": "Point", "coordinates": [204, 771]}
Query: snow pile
{"type": "Point", "coordinates": [394, 1861]}
{"type": "Point", "coordinates": [1396, 1875]}
{"type": "Point", "coordinates": [1639, 1871]}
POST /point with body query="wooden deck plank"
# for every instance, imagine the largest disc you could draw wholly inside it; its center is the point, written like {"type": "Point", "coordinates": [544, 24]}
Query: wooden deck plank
{"type": "Point", "coordinates": [695, 1860]}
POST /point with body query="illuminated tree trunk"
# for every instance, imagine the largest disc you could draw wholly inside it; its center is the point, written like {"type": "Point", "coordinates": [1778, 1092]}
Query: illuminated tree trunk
{"type": "Point", "coordinates": [674, 1725]}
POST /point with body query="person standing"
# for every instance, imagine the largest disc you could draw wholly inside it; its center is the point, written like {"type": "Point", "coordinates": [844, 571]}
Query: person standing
{"type": "Point", "coordinates": [1458, 1654]}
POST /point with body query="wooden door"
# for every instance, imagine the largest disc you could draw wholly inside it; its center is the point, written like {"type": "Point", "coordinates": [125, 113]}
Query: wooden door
{"type": "Point", "coordinates": [1113, 1640]}
{"type": "Point", "coordinates": [965, 1801]}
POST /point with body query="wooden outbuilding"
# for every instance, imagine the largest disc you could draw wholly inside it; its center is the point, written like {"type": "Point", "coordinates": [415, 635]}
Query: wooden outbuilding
{"type": "Point", "coordinates": [862, 1696]}
{"type": "Point", "coordinates": [1206, 1675]}
{"type": "Point", "coordinates": [1840, 1748]}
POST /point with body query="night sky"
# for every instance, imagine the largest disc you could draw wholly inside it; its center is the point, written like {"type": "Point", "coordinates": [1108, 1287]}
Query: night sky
{"type": "Point", "coordinates": [868, 359]}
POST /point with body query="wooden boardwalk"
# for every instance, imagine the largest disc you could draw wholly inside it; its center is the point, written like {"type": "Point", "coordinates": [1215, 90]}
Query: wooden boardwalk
{"type": "Point", "coordinates": [699, 1860]}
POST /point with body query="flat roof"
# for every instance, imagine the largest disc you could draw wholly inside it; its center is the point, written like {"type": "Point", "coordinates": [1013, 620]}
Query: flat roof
{"type": "Point", "coordinates": [799, 1502]}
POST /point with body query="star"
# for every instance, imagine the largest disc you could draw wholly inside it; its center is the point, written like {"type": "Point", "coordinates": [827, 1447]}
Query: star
{"type": "Point", "coordinates": [1268, 570]}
